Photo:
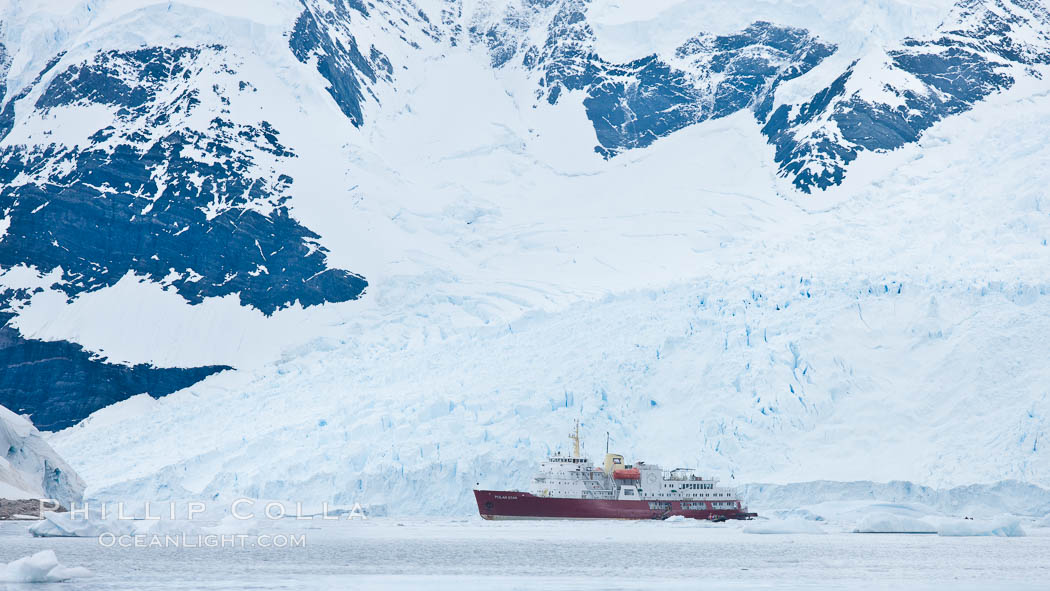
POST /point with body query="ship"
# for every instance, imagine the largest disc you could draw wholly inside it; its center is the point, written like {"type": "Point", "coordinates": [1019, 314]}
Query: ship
{"type": "Point", "coordinates": [572, 487]}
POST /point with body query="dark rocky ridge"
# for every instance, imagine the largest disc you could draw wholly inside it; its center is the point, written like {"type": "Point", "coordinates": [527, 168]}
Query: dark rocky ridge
{"type": "Point", "coordinates": [633, 104]}
{"type": "Point", "coordinates": [980, 50]}
{"type": "Point", "coordinates": [10, 508]}
{"type": "Point", "coordinates": [186, 207]}
{"type": "Point", "coordinates": [58, 383]}
{"type": "Point", "coordinates": [323, 33]}
{"type": "Point", "coordinates": [977, 53]}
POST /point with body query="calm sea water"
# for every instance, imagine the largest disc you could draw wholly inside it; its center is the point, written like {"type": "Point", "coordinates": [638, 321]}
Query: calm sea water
{"type": "Point", "coordinates": [471, 554]}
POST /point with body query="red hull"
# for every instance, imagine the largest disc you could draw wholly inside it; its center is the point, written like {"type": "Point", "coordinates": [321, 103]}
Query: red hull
{"type": "Point", "coordinates": [501, 504]}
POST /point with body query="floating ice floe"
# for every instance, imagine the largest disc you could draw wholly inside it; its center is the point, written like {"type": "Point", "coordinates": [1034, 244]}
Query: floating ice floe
{"type": "Point", "coordinates": [251, 518]}
{"type": "Point", "coordinates": [889, 523]}
{"type": "Point", "coordinates": [42, 567]}
{"type": "Point", "coordinates": [1009, 527]}
{"type": "Point", "coordinates": [784, 526]}
{"type": "Point", "coordinates": [799, 514]}
{"type": "Point", "coordinates": [683, 521]}
{"type": "Point", "coordinates": [72, 525]}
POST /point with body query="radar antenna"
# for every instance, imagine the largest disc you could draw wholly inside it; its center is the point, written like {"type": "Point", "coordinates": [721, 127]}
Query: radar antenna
{"type": "Point", "coordinates": [575, 437]}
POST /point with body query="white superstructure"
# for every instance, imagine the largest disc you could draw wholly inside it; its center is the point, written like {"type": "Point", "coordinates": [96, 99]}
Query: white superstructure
{"type": "Point", "coordinates": [576, 477]}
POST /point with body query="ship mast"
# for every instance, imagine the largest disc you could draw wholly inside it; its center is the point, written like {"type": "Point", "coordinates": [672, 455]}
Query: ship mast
{"type": "Point", "coordinates": [575, 437]}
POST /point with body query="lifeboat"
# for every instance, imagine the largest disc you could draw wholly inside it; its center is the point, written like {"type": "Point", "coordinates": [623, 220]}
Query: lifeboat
{"type": "Point", "coordinates": [629, 474]}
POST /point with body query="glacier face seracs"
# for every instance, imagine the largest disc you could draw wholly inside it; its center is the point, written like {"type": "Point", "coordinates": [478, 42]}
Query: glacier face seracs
{"type": "Point", "coordinates": [29, 468]}
{"type": "Point", "coordinates": [787, 380]}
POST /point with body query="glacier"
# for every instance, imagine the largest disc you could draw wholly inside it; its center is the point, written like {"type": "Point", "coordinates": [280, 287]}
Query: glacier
{"type": "Point", "coordinates": [378, 252]}
{"type": "Point", "coordinates": [30, 468]}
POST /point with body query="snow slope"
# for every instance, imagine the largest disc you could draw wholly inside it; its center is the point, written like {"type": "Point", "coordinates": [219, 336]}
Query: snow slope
{"type": "Point", "coordinates": [677, 291]}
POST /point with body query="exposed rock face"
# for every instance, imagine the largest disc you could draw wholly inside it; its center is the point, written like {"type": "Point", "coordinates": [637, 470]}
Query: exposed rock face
{"type": "Point", "coordinates": [58, 382]}
{"type": "Point", "coordinates": [26, 508]}
{"type": "Point", "coordinates": [323, 35]}
{"type": "Point", "coordinates": [155, 194]}
{"type": "Point", "coordinates": [879, 103]}
{"type": "Point", "coordinates": [633, 104]}
{"type": "Point", "coordinates": [885, 101]}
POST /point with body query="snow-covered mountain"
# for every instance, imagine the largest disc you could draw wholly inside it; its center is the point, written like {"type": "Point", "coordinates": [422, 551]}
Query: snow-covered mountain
{"type": "Point", "coordinates": [354, 248]}
{"type": "Point", "coordinates": [889, 96]}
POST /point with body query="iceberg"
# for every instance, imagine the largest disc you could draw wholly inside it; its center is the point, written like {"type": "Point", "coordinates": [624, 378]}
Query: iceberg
{"type": "Point", "coordinates": [888, 523]}
{"type": "Point", "coordinates": [42, 567]}
{"type": "Point", "coordinates": [1007, 527]}
{"type": "Point", "coordinates": [30, 468]}
{"type": "Point", "coordinates": [112, 520]}
{"type": "Point", "coordinates": [682, 521]}
{"type": "Point", "coordinates": [784, 526]}
{"type": "Point", "coordinates": [74, 525]}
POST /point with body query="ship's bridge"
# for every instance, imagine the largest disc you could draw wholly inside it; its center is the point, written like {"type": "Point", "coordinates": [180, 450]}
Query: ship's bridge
{"type": "Point", "coordinates": [559, 459]}
{"type": "Point", "coordinates": [559, 464]}
{"type": "Point", "coordinates": [570, 476]}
